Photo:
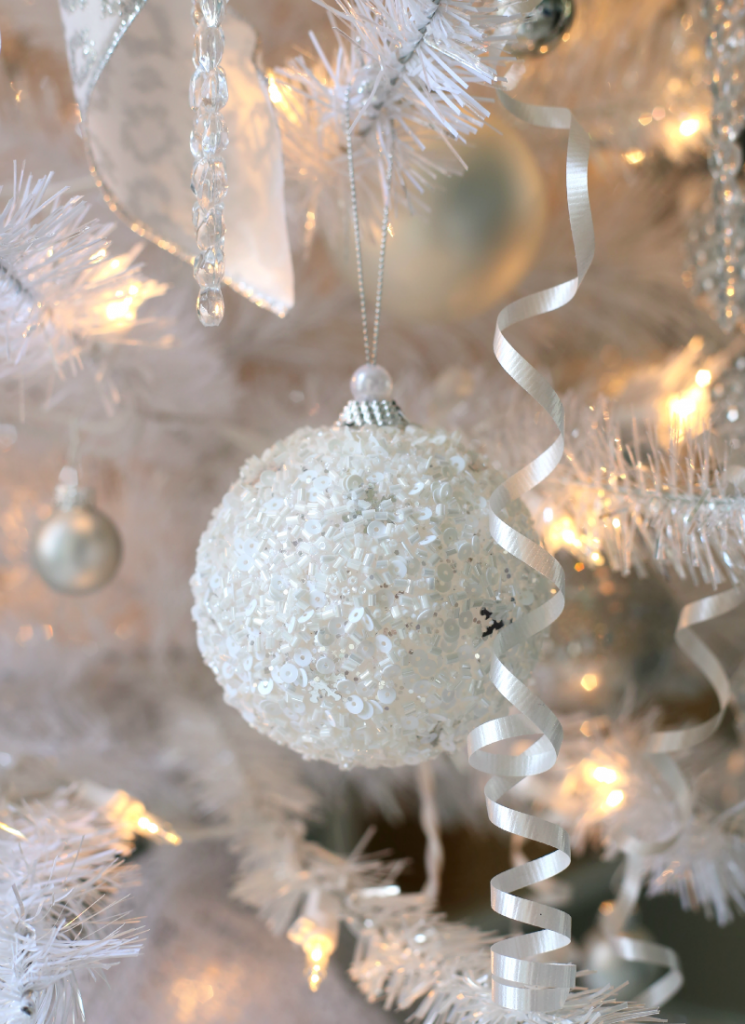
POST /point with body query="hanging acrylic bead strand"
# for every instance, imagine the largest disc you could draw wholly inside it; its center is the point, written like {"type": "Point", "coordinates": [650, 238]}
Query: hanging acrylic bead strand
{"type": "Point", "coordinates": [208, 95]}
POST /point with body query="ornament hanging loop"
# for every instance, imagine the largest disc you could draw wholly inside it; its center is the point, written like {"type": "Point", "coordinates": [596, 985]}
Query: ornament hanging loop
{"type": "Point", "coordinates": [370, 343]}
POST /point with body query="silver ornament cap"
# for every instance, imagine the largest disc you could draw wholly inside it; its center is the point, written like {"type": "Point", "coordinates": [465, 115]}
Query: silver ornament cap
{"type": "Point", "coordinates": [78, 548]}
{"type": "Point", "coordinates": [371, 404]}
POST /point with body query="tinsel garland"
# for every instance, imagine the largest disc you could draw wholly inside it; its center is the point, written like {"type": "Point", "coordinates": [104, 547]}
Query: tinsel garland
{"type": "Point", "coordinates": [62, 867]}
{"type": "Point", "coordinates": [60, 292]}
{"type": "Point", "coordinates": [634, 501]}
{"type": "Point", "coordinates": [406, 953]}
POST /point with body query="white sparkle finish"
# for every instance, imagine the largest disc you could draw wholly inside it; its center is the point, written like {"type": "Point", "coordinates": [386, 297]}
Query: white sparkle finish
{"type": "Point", "coordinates": [339, 590]}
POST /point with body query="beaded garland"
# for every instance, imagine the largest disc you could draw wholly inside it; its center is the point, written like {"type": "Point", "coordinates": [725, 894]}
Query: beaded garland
{"type": "Point", "coordinates": [346, 590]}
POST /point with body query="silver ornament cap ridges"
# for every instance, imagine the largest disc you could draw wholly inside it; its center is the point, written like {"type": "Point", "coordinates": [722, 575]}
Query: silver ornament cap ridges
{"type": "Point", "coordinates": [372, 404]}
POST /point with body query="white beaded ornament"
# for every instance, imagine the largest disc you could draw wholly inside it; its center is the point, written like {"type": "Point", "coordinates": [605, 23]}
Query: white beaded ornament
{"type": "Point", "coordinates": [347, 587]}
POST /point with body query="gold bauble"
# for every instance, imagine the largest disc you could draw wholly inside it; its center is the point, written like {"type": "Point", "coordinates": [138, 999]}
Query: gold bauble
{"type": "Point", "coordinates": [476, 241]}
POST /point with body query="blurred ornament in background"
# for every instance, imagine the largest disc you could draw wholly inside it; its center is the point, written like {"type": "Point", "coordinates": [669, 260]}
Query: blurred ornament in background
{"type": "Point", "coordinates": [634, 74]}
{"type": "Point", "coordinates": [77, 549]}
{"type": "Point", "coordinates": [543, 27]}
{"type": "Point", "coordinates": [478, 240]}
{"type": "Point", "coordinates": [614, 630]}
{"type": "Point", "coordinates": [347, 588]}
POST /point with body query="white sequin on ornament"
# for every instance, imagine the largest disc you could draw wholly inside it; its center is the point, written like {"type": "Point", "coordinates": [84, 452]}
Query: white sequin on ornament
{"type": "Point", "coordinates": [347, 590]}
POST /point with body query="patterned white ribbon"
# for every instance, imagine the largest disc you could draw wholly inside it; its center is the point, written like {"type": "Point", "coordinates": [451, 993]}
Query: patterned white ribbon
{"type": "Point", "coordinates": [130, 62]}
{"type": "Point", "coordinates": [518, 982]}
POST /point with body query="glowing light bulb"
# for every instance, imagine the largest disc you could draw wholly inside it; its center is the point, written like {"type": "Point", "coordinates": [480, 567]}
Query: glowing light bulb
{"type": "Point", "coordinates": [275, 94]}
{"type": "Point", "coordinates": [634, 156]}
{"type": "Point", "coordinates": [616, 522]}
{"type": "Point", "coordinates": [606, 775]}
{"type": "Point", "coordinates": [589, 682]}
{"type": "Point", "coordinates": [689, 127]}
{"type": "Point", "coordinates": [316, 931]}
{"type": "Point", "coordinates": [548, 515]}
{"type": "Point", "coordinates": [615, 798]}
{"type": "Point", "coordinates": [130, 816]}
{"type": "Point", "coordinates": [703, 378]}
{"type": "Point", "coordinates": [11, 831]}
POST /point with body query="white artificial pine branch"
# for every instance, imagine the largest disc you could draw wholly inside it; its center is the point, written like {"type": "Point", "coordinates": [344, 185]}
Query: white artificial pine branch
{"type": "Point", "coordinates": [407, 954]}
{"type": "Point", "coordinates": [402, 71]}
{"type": "Point", "coordinates": [59, 292]}
{"type": "Point", "coordinates": [60, 871]}
{"type": "Point", "coordinates": [640, 501]}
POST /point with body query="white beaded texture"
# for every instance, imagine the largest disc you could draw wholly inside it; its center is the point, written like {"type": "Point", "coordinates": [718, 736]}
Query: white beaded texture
{"type": "Point", "coordinates": [208, 94]}
{"type": "Point", "coordinates": [347, 591]}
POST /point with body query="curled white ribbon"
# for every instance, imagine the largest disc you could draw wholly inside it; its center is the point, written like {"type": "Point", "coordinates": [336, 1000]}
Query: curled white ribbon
{"type": "Point", "coordinates": [518, 983]}
{"type": "Point", "coordinates": [661, 745]}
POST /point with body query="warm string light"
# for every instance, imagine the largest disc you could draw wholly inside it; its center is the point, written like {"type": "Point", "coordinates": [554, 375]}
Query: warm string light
{"type": "Point", "coordinates": [129, 814]}
{"type": "Point", "coordinates": [601, 786]}
{"type": "Point", "coordinates": [316, 931]}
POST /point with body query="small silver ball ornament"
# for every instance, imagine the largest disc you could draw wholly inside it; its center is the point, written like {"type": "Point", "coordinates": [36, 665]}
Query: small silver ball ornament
{"type": "Point", "coordinates": [78, 548]}
{"type": "Point", "coordinates": [543, 27]}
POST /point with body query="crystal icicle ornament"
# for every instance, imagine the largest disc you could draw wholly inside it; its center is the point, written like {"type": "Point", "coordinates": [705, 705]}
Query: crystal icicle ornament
{"type": "Point", "coordinates": [347, 589]}
{"type": "Point", "coordinates": [208, 94]}
{"type": "Point", "coordinates": [718, 240]}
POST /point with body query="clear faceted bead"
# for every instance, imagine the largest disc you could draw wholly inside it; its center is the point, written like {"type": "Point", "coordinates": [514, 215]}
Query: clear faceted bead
{"type": "Point", "coordinates": [209, 268]}
{"type": "Point", "coordinates": [210, 228]}
{"type": "Point", "coordinates": [209, 45]}
{"type": "Point", "coordinates": [209, 181]}
{"type": "Point", "coordinates": [212, 11]}
{"type": "Point", "coordinates": [208, 89]}
{"type": "Point", "coordinates": [209, 136]}
{"type": "Point", "coordinates": [210, 306]}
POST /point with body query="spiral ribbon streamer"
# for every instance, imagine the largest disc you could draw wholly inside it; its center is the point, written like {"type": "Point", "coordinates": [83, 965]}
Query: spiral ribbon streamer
{"type": "Point", "coordinates": [130, 64]}
{"type": "Point", "coordinates": [661, 745]}
{"type": "Point", "coordinates": [518, 983]}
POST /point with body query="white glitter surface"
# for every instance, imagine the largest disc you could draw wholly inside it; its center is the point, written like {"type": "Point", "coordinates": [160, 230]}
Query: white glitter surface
{"type": "Point", "coordinates": [347, 590]}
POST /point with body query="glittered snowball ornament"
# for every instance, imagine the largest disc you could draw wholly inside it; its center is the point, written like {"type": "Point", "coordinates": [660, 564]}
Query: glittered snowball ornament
{"type": "Point", "coordinates": [77, 549]}
{"type": "Point", "coordinates": [347, 588]}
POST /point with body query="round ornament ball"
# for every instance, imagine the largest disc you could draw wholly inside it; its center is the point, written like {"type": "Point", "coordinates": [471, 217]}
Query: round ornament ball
{"type": "Point", "coordinates": [347, 589]}
{"type": "Point", "coordinates": [543, 27]}
{"type": "Point", "coordinates": [77, 549]}
{"type": "Point", "coordinates": [479, 237]}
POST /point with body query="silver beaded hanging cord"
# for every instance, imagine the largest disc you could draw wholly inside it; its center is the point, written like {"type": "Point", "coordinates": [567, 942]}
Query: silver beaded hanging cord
{"type": "Point", "coordinates": [381, 258]}
{"type": "Point", "coordinates": [371, 347]}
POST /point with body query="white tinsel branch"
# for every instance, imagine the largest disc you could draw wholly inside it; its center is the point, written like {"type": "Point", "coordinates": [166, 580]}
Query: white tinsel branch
{"type": "Point", "coordinates": [407, 954]}
{"type": "Point", "coordinates": [61, 868]}
{"type": "Point", "coordinates": [401, 73]}
{"type": "Point", "coordinates": [635, 501]}
{"type": "Point", "coordinates": [59, 293]}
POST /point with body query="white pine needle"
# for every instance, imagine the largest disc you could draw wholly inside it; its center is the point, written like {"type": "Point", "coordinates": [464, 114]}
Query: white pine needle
{"type": "Point", "coordinates": [59, 912]}
{"type": "Point", "coordinates": [59, 290]}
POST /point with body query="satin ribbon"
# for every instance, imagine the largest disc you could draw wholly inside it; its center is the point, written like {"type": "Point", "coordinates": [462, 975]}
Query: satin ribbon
{"type": "Point", "coordinates": [519, 983]}
{"type": "Point", "coordinates": [130, 64]}
{"type": "Point", "coordinates": [661, 745]}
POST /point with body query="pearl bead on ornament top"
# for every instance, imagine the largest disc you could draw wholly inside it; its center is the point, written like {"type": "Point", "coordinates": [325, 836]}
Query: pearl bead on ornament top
{"type": "Point", "coordinates": [371, 383]}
